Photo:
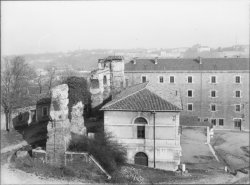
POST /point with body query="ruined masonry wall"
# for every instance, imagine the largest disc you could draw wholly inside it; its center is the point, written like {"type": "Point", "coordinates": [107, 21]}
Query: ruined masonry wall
{"type": "Point", "coordinates": [60, 128]}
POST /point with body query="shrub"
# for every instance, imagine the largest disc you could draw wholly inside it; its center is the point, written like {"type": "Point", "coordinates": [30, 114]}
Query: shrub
{"type": "Point", "coordinates": [107, 152]}
{"type": "Point", "coordinates": [78, 91]}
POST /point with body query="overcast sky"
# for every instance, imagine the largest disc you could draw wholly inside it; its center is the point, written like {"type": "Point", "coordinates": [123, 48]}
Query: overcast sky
{"type": "Point", "coordinates": [37, 27]}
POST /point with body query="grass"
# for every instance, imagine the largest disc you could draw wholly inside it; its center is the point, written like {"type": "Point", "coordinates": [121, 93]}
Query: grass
{"type": "Point", "coordinates": [80, 170]}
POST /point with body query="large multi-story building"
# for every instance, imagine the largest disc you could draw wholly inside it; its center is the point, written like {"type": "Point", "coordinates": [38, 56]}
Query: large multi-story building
{"type": "Point", "coordinates": [214, 89]}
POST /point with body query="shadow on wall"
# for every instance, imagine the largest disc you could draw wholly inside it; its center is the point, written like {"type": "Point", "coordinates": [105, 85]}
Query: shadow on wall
{"type": "Point", "coordinates": [96, 112]}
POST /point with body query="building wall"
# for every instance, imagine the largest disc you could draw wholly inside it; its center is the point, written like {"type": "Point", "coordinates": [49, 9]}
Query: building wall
{"type": "Point", "coordinates": [201, 86]}
{"type": "Point", "coordinates": [167, 143]}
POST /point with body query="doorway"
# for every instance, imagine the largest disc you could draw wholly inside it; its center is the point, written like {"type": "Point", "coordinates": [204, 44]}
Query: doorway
{"type": "Point", "coordinates": [141, 159]}
{"type": "Point", "coordinates": [237, 123]}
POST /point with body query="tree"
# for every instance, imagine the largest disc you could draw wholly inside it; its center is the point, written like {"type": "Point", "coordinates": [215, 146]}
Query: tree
{"type": "Point", "coordinates": [15, 79]}
{"type": "Point", "coordinates": [51, 76]}
{"type": "Point", "coordinates": [40, 82]}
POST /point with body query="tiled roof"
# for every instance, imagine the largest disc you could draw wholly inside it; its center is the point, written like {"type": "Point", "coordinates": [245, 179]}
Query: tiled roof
{"type": "Point", "coordinates": [188, 64]}
{"type": "Point", "coordinates": [140, 98]}
{"type": "Point", "coordinates": [114, 58]}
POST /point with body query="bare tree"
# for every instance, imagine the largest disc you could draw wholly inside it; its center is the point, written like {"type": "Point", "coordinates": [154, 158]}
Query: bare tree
{"type": "Point", "coordinates": [40, 80]}
{"type": "Point", "coordinates": [51, 76]}
{"type": "Point", "coordinates": [15, 79]}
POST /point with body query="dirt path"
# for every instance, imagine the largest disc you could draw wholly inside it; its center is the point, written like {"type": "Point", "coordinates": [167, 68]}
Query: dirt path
{"type": "Point", "coordinates": [15, 176]}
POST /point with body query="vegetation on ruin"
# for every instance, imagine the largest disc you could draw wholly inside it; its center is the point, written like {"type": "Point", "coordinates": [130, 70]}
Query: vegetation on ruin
{"type": "Point", "coordinates": [107, 152]}
{"type": "Point", "coordinates": [78, 91]}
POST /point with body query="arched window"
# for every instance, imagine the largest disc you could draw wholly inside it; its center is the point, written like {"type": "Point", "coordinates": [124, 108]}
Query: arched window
{"type": "Point", "coordinates": [141, 127]}
{"type": "Point", "coordinates": [140, 120]}
{"type": "Point", "coordinates": [104, 80]}
{"type": "Point", "coordinates": [141, 159]}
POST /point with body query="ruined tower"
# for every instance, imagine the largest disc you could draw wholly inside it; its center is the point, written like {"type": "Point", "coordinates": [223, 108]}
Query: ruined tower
{"type": "Point", "coordinates": [107, 79]}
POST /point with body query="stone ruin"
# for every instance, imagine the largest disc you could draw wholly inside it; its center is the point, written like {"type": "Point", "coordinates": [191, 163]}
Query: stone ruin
{"type": "Point", "coordinates": [60, 127]}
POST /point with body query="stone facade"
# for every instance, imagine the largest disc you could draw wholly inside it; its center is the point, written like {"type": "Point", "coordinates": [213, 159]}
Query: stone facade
{"type": "Point", "coordinates": [201, 99]}
{"type": "Point", "coordinates": [167, 137]}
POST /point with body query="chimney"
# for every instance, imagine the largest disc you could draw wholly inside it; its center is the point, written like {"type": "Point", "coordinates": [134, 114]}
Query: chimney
{"type": "Point", "coordinates": [134, 60]}
{"type": "Point", "coordinates": [200, 60]}
{"type": "Point", "coordinates": [156, 60]}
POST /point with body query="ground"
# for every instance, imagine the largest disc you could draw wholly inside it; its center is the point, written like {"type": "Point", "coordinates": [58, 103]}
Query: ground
{"type": "Point", "coordinates": [195, 153]}
{"type": "Point", "coordinates": [201, 164]}
{"type": "Point", "coordinates": [232, 147]}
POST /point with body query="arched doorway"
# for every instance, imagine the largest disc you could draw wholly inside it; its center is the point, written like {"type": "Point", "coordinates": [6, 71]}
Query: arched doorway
{"type": "Point", "coordinates": [141, 159]}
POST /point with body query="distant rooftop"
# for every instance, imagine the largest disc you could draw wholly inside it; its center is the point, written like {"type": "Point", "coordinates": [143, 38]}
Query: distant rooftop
{"type": "Point", "coordinates": [188, 64]}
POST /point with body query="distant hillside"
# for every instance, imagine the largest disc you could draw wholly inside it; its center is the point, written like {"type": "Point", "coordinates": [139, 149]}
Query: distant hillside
{"type": "Point", "coordinates": [86, 60]}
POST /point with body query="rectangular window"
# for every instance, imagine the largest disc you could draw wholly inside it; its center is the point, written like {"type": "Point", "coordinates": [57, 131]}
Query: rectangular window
{"type": "Point", "coordinates": [237, 123]}
{"type": "Point", "coordinates": [237, 79]}
{"type": "Point", "coordinates": [144, 79]}
{"type": "Point", "coordinates": [190, 79]}
{"type": "Point", "coordinates": [237, 94]}
{"type": "Point", "coordinates": [213, 107]}
{"type": "Point", "coordinates": [141, 132]}
{"type": "Point", "coordinates": [213, 121]}
{"type": "Point", "coordinates": [190, 93]}
{"type": "Point", "coordinates": [213, 94]}
{"type": "Point", "coordinates": [213, 79]}
{"type": "Point", "coordinates": [45, 111]}
{"type": "Point", "coordinates": [161, 79]}
{"type": "Point", "coordinates": [190, 106]}
{"type": "Point", "coordinates": [171, 79]}
{"type": "Point", "coordinates": [237, 108]}
{"type": "Point", "coordinates": [221, 122]}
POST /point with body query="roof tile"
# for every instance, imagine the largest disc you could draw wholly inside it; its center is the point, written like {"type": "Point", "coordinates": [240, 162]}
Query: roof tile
{"type": "Point", "coordinates": [140, 98]}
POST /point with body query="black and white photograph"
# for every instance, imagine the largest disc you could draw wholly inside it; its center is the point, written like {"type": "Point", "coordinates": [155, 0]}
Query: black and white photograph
{"type": "Point", "coordinates": [125, 92]}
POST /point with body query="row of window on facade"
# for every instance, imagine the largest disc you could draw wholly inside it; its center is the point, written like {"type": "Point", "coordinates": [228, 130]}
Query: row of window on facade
{"type": "Point", "coordinates": [220, 122]}
{"type": "Point", "coordinates": [213, 107]}
{"type": "Point", "coordinates": [213, 94]}
{"type": "Point", "coordinates": [213, 79]}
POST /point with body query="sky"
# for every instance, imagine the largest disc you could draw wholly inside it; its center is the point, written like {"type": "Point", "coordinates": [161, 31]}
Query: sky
{"type": "Point", "coordinates": [61, 26]}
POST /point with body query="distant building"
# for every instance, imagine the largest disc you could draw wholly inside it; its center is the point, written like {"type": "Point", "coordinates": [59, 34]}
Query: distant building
{"type": "Point", "coordinates": [214, 89]}
{"type": "Point", "coordinates": [203, 49]}
{"type": "Point", "coordinates": [145, 119]}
